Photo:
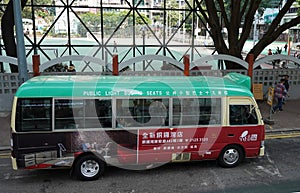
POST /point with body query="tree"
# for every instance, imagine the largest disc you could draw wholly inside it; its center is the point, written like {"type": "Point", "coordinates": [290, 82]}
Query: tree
{"type": "Point", "coordinates": [172, 14]}
{"type": "Point", "coordinates": [8, 23]}
{"type": "Point", "coordinates": [7, 28]}
{"type": "Point", "coordinates": [139, 18]}
{"type": "Point", "coordinates": [240, 15]}
{"type": "Point", "coordinates": [91, 20]}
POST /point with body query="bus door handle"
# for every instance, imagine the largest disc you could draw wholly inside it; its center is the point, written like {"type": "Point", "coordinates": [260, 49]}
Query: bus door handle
{"type": "Point", "coordinates": [230, 135]}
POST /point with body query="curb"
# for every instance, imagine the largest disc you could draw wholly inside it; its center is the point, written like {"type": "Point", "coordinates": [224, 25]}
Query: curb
{"type": "Point", "coordinates": [5, 148]}
{"type": "Point", "coordinates": [4, 114]}
{"type": "Point", "coordinates": [282, 135]}
{"type": "Point", "coordinates": [283, 130]}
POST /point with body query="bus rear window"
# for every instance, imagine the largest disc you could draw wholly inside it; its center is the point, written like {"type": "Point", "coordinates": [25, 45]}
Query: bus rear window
{"type": "Point", "coordinates": [34, 115]}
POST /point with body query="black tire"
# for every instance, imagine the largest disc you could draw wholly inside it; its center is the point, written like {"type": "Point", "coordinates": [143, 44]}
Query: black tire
{"type": "Point", "coordinates": [89, 167]}
{"type": "Point", "coordinates": [231, 156]}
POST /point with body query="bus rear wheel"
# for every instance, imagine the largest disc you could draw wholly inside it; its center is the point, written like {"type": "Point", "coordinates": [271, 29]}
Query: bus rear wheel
{"type": "Point", "coordinates": [89, 167]}
{"type": "Point", "coordinates": [231, 156]}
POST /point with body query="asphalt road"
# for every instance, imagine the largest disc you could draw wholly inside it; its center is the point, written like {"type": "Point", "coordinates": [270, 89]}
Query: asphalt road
{"type": "Point", "coordinates": [277, 172]}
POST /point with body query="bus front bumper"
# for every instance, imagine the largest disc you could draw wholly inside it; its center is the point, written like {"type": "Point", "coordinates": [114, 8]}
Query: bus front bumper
{"type": "Point", "coordinates": [262, 151]}
{"type": "Point", "coordinates": [14, 163]}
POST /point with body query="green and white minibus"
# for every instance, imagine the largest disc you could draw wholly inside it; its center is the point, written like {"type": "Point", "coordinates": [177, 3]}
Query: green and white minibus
{"type": "Point", "coordinates": [88, 122]}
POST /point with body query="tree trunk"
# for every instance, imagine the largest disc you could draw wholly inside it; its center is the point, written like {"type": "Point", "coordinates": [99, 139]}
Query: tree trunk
{"type": "Point", "coordinates": [7, 28]}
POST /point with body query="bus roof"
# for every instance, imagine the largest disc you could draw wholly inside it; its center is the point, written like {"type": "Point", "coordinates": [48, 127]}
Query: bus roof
{"type": "Point", "coordinates": [232, 84]}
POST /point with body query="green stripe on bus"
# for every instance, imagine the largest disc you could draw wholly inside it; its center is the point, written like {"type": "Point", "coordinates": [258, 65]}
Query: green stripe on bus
{"type": "Point", "coordinates": [232, 84]}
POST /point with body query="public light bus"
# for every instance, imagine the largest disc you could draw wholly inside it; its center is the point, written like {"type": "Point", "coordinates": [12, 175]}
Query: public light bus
{"type": "Point", "coordinates": [89, 122]}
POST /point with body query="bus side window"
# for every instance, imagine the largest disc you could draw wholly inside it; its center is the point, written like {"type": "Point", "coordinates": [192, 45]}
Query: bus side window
{"type": "Point", "coordinates": [158, 113]}
{"type": "Point", "coordinates": [196, 111]}
{"type": "Point", "coordinates": [64, 118]}
{"type": "Point", "coordinates": [141, 112]}
{"type": "Point", "coordinates": [82, 113]}
{"type": "Point", "coordinates": [210, 111]}
{"type": "Point", "coordinates": [189, 111]}
{"type": "Point", "coordinates": [34, 115]}
{"type": "Point", "coordinates": [242, 115]}
{"type": "Point", "coordinates": [176, 111]}
{"type": "Point", "coordinates": [104, 112]}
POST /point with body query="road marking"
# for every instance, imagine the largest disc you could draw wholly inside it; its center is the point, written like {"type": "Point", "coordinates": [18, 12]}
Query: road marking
{"type": "Point", "coordinates": [276, 170]}
{"type": "Point", "coordinates": [218, 181]}
{"type": "Point", "coordinates": [268, 171]}
{"type": "Point", "coordinates": [252, 175]}
{"type": "Point", "coordinates": [8, 176]}
{"type": "Point", "coordinates": [4, 155]}
{"type": "Point", "coordinates": [282, 135]}
{"type": "Point", "coordinates": [5, 165]}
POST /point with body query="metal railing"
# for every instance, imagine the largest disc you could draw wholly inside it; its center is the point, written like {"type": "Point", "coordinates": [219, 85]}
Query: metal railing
{"type": "Point", "coordinates": [9, 82]}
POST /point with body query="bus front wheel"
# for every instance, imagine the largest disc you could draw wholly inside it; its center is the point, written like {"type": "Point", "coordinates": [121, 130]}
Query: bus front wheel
{"type": "Point", "coordinates": [231, 156]}
{"type": "Point", "coordinates": [89, 167]}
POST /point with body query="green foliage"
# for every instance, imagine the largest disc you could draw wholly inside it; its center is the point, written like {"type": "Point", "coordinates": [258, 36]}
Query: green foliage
{"type": "Point", "coordinates": [298, 2]}
{"type": "Point", "coordinates": [110, 20]}
{"type": "Point", "coordinates": [39, 11]}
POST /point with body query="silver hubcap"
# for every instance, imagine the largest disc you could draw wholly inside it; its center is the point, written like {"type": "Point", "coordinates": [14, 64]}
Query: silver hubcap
{"type": "Point", "coordinates": [231, 156]}
{"type": "Point", "coordinates": [89, 168]}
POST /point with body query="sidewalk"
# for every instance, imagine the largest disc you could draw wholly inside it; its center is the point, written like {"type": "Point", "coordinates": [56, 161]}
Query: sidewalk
{"type": "Point", "coordinates": [288, 119]}
{"type": "Point", "coordinates": [4, 131]}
